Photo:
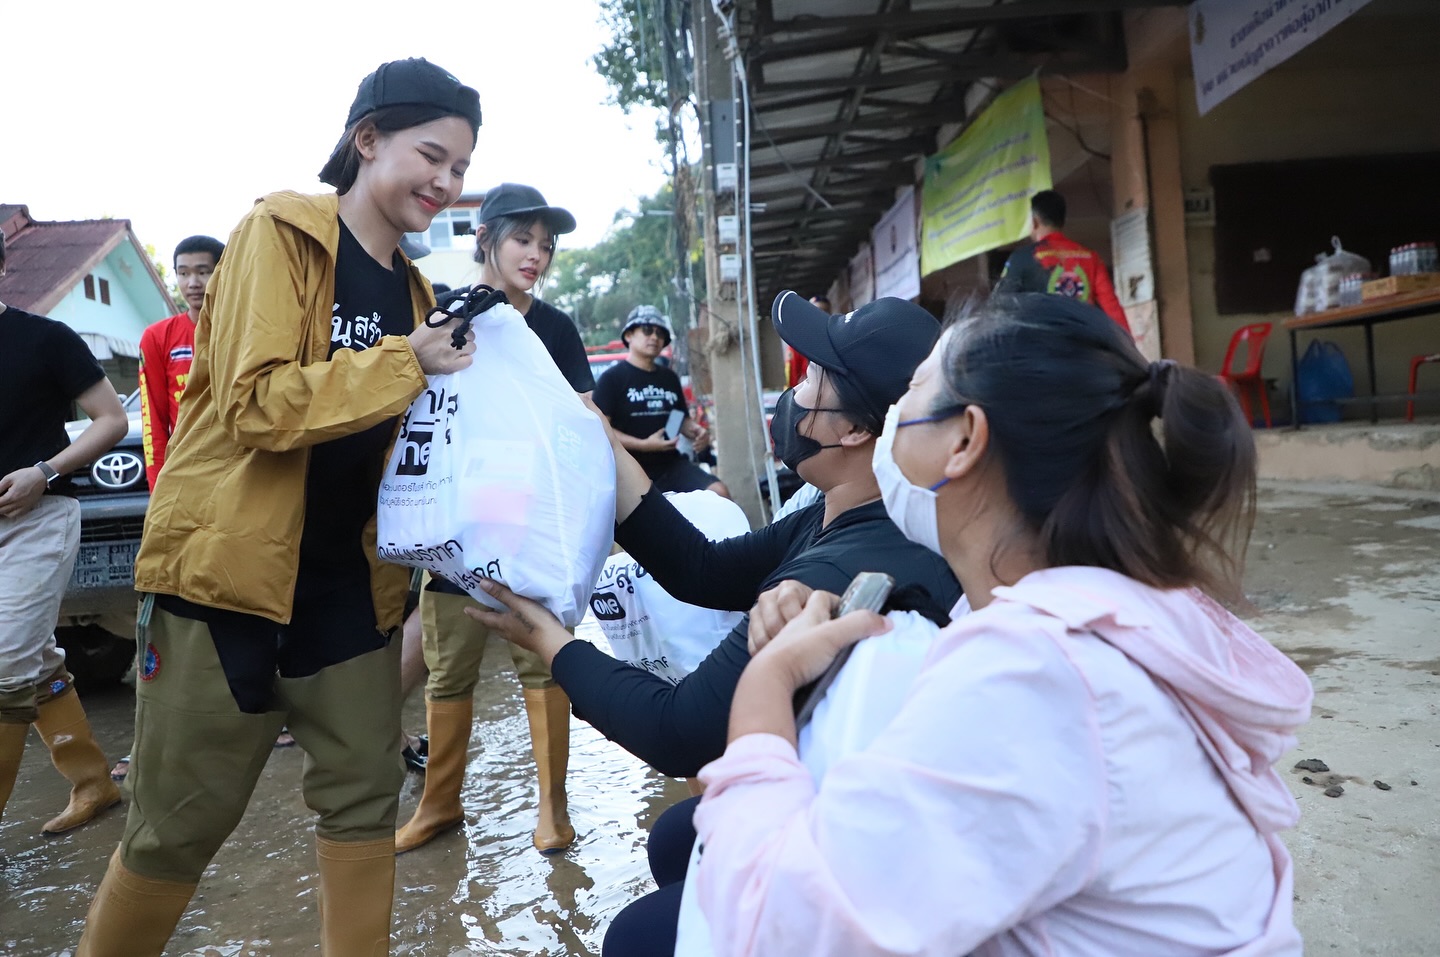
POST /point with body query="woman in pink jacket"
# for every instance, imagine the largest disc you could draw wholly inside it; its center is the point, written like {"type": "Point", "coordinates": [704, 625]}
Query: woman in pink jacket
{"type": "Point", "coordinates": [1083, 767]}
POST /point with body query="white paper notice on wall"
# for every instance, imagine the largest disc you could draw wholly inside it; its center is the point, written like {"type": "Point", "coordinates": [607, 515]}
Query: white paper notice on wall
{"type": "Point", "coordinates": [897, 253]}
{"type": "Point", "coordinates": [862, 278]}
{"type": "Point", "coordinates": [1130, 247]}
{"type": "Point", "coordinates": [1234, 41]}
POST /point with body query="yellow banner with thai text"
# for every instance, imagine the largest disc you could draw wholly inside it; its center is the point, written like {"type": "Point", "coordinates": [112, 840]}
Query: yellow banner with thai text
{"type": "Point", "coordinates": [977, 190]}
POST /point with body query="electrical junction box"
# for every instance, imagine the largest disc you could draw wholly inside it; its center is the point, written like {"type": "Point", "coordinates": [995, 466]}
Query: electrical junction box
{"type": "Point", "coordinates": [730, 268]}
{"type": "Point", "coordinates": [727, 229]}
{"type": "Point", "coordinates": [726, 178]}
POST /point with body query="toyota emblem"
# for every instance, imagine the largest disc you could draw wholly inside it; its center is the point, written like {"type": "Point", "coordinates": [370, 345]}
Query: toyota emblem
{"type": "Point", "coordinates": [117, 471]}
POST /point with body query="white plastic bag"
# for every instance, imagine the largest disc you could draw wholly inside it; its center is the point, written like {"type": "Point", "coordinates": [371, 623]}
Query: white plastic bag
{"type": "Point", "coordinates": [644, 623]}
{"type": "Point", "coordinates": [501, 472]}
{"type": "Point", "coordinates": [865, 698]}
{"type": "Point", "coordinates": [1320, 284]}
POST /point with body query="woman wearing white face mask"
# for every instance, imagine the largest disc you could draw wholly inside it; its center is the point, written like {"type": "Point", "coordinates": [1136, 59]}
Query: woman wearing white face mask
{"type": "Point", "coordinates": [1083, 766]}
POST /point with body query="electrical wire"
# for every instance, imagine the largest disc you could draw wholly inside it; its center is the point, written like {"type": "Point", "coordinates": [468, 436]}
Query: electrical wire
{"type": "Point", "coordinates": [772, 483]}
{"type": "Point", "coordinates": [740, 80]}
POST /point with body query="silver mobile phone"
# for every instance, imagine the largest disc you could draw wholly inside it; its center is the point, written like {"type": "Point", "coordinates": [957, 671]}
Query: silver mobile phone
{"type": "Point", "coordinates": [867, 592]}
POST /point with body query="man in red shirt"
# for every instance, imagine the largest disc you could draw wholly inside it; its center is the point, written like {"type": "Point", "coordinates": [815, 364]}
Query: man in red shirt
{"type": "Point", "coordinates": [167, 348]}
{"type": "Point", "coordinates": [1053, 263]}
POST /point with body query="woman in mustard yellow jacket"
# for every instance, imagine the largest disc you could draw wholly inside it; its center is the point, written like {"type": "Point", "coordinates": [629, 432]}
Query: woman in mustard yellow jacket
{"type": "Point", "coordinates": [264, 602]}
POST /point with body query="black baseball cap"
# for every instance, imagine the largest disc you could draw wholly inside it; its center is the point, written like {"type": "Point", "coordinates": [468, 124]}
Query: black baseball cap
{"type": "Point", "coordinates": [417, 83]}
{"type": "Point", "coordinates": [872, 352]}
{"type": "Point", "coordinates": [414, 82]}
{"type": "Point", "coordinates": [513, 199]}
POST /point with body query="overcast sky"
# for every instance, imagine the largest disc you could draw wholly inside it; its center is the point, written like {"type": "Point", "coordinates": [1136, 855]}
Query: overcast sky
{"type": "Point", "coordinates": [178, 115]}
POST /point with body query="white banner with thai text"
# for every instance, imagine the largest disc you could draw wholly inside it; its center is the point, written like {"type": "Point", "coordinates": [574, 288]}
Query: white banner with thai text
{"type": "Point", "coordinates": [1234, 41]}
{"type": "Point", "coordinates": [897, 251]}
{"type": "Point", "coordinates": [862, 278]}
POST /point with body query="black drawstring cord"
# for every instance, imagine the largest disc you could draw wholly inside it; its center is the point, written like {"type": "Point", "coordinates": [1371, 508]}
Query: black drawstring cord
{"type": "Point", "coordinates": [470, 302]}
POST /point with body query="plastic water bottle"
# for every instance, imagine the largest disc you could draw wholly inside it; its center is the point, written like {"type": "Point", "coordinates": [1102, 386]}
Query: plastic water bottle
{"type": "Point", "coordinates": [1428, 261]}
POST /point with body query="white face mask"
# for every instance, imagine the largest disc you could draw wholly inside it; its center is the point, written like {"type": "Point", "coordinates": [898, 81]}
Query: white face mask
{"type": "Point", "coordinates": [913, 508]}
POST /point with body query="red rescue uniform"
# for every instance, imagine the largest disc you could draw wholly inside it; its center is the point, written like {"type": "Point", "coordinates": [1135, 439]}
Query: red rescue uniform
{"type": "Point", "coordinates": [166, 350]}
{"type": "Point", "coordinates": [1060, 266]}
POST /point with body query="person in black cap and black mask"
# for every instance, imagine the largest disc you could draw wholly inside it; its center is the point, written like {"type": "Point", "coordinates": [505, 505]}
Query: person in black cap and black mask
{"type": "Point", "coordinates": [265, 603]}
{"type": "Point", "coordinates": [825, 429]}
{"type": "Point", "coordinates": [514, 248]}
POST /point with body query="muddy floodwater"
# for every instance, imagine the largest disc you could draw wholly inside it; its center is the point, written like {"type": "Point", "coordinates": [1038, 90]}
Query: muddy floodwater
{"type": "Point", "coordinates": [483, 890]}
{"type": "Point", "coordinates": [1344, 579]}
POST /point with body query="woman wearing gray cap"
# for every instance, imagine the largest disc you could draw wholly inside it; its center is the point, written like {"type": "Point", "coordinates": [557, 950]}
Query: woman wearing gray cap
{"type": "Point", "coordinates": [264, 602]}
{"type": "Point", "coordinates": [515, 247]}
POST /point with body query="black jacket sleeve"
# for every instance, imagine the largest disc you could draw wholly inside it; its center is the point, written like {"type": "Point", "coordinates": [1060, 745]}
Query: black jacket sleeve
{"type": "Point", "coordinates": [726, 575]}
{"type": "Point", "coordinates": [1023, 273]}
{"type": "Point", "coordinates": [676, 729]}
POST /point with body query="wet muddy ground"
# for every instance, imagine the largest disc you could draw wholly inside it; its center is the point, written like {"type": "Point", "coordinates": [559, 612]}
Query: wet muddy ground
{"type": "Point", "coordinates": [483, 890]}
{"type": "Point", "coordinates": [1346, 580]}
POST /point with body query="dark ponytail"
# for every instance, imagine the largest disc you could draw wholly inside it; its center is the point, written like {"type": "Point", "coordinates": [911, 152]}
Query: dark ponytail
{"type": "Point", "coordinates": [1072, 409]}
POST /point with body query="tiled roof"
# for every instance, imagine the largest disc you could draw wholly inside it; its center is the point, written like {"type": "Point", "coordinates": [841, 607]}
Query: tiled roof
{"type": "Point", "coordinates": [7, 210]}
{"type": "Point", "coordinates": [43, 261]}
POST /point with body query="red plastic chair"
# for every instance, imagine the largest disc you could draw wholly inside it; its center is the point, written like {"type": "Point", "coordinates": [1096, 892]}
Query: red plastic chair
{"type": "Point", "coordinates": [1415, 364]}
{"type": "Point", "coordinates": [1253, 338]}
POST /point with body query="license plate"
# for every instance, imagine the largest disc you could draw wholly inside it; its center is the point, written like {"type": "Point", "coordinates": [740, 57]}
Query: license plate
{"type": "Point", "coordinates": [105, 565]}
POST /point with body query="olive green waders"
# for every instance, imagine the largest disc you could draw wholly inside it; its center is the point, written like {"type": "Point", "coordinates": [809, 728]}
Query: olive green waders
{"type": "Point", "coordinates": [196, 760]}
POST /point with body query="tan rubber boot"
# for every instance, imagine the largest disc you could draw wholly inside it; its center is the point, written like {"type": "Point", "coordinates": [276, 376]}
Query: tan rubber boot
{"type": "Point", "coordinates": [549, 712]}
{"type": "Point", "coordinates": [448, 723]}
{"type": "Point", "coordinates": [12, 749]}
{"type": "Point", "coordinates": [357, 894]}
{"type": "Point", "coordinates": [66, 732]}
{"type": "Point", "coordinates": [132, 916]}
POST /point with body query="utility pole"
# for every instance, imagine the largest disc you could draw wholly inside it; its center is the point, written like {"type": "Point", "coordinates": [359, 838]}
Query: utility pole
{"type": "Point", "coordinates": [740, 446]}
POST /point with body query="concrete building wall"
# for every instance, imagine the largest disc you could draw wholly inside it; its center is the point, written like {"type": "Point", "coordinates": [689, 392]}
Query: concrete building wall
{"type": "Point", "coordinates": [124, 318]}
{"type": "Point", "coordinates": [1366, 88]}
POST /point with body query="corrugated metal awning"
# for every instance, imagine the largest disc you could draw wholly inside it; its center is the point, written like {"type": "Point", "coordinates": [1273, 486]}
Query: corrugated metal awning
{"type": "Point", "coordinates": [108, 347]}
{"type": "Point", "coordinates": [847, 94]}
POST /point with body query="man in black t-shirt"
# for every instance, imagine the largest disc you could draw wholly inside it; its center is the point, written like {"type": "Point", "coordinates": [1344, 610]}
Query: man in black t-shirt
{"type": "Point", "coordinates": [646, 406]}
{"type": "Point", "coordinates": [44, 367]}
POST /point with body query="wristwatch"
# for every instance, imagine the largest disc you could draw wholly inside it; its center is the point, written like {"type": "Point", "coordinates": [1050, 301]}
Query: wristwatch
{"type": "Point", "coordinates": [49, 473]}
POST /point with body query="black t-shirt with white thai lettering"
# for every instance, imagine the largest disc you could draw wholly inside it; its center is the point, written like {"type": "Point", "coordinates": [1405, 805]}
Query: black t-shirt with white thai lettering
{"type": "Point", "coordinates": [639, 403]}
{"type": "Point", "coordinates": [344, 477]}
{"type": "Point", "coordinates": [556, 330]}
{"type": "Point", "coordinates": [44, 367]}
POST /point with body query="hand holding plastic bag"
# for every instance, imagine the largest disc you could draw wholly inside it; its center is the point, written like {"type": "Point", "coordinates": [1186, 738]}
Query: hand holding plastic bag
{"type": "Point", "coordinates": [862, 701]}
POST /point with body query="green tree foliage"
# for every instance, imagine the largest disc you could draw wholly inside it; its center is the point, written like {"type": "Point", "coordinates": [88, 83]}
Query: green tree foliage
{"type": "Point", "coordinates": [633, 264]}
{"type": "Point", "coordinates": [170, 286]}
{"type": "Point", "coordinates": [648, 60]}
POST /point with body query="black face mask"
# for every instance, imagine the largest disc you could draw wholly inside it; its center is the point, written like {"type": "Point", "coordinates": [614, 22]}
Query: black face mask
{"type": "Point", "coordinates": [792, 447]}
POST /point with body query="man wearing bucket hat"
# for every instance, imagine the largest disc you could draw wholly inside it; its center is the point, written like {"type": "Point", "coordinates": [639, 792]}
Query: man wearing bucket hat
{"type": "Point", "coordinates": [643, 399]}
{"type": "Point", "coordinates": [825, 429]}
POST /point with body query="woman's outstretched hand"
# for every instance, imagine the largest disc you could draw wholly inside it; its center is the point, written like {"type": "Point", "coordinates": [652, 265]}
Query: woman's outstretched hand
{"type": "Point", "coordinates": [524, 622]}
